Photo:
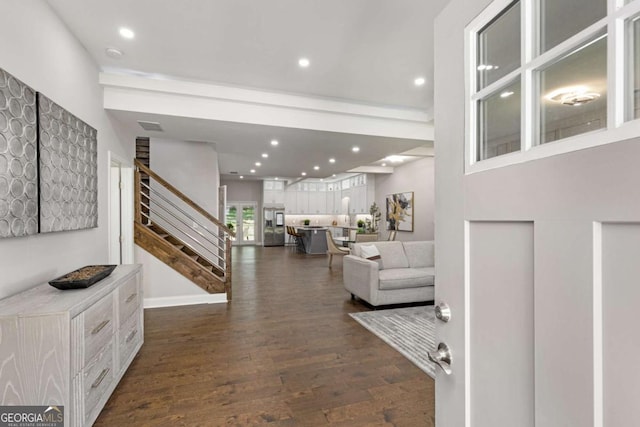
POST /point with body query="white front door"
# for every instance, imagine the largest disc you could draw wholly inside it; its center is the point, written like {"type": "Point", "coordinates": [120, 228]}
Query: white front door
{"type": "Point", "coordinates": [539, 263]}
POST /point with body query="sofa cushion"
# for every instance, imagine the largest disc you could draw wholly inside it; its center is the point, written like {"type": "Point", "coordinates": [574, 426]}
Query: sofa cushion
{"type": "Point", "coordinates": [419, 254]}
{"type": "Point", "coordinates": [400, 278]}
{"type": "Point", "coordinates": [392, 255]}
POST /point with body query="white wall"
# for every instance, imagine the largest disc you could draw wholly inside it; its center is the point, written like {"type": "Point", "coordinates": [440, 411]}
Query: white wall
{"type": "Point", "coordinates": [39, 50]}
{"type": "Point", "coordinates": [417, 176]}
{"type": "Point", "coordinates": [244, 191]}
{"type": "Point", "coordinates": [191, 167]}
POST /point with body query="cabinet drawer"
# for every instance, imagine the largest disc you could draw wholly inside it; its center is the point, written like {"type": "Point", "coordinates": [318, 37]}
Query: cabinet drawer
{"type": "Point", "coordinates": [98, 327]}
{"type": "Point", "coordinates": [96, 378]}
{"type": "Point", "coordinates": [129, 337]}
{"type": "Point", "coordinates": [128, 299]}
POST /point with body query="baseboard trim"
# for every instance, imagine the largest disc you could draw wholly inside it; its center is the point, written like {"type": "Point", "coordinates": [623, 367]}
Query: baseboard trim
{"type": "Point", "coordinates": [184, 300]}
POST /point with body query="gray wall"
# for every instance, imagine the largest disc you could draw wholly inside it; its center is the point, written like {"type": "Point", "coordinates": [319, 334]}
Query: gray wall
{"type": "Point", "coordinates": [39, 50]}
{"type": "Point", "coordinates": [244, 191]}
{"type": "Point", "coordinates": [191, 167]}
{"type": "Point", "coordinates": [418, 177]}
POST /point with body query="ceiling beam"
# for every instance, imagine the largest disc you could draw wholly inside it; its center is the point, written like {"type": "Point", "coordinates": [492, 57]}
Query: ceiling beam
{"type": "Point", "coordinates": [241, 105]}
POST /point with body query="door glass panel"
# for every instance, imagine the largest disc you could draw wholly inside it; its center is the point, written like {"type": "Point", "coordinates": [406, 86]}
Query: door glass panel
{"type": "Point", "coordinates": [635, 72]}
{"type": "Point", "coordinates": [499, 119]}
{"type": "Point", "coordinates": [232, 217]}
{"type": "Point", "coordinates": [248, 223]}
{"type": "Point", "coordinates": [499, 47]}
{"type": "Point", "coordinates": [561, 19]}
{"type": "Point", "coordinates": [574, 93]}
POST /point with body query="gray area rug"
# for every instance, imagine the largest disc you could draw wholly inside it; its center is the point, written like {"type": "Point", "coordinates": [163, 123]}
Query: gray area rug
{"type": "Point", "coordinates": [410, 330]}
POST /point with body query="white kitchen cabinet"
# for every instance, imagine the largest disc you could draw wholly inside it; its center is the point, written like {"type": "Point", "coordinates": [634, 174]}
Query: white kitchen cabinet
{"type": "Point", "coordinates": [291, 201]}
{"type": "Point", "coordinates": [71, 348]}
{"type": "Point", "coordinates": [273, 193]}
{"type": "Point", "coordinates": [318, 202]}
{"type": "Point", "coordinates": [302, 202]}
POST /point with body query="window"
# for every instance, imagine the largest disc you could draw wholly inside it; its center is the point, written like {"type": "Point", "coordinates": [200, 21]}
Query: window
{"type": "Point", "coordinates": [573, 98]}
{"type": "Point", "coordinates": [499, 116]}
{"type": "Point", "coordinates": [635, 69]}
{"type": "Point", "coordinates": [544, 75]}
{"type": "Point", "coordinates": [562, 19]}
{"type": "Point", "coordinates": [499, 47]}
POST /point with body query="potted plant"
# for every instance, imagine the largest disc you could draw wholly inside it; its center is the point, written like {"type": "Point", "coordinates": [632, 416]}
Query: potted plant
{"type": "Point", "coordinates": [361, 226]}
{"type": "Point", "coordinates": [374, 210]}
{"type": "Point", "coordinates": [307, 222]}
{"type": "Point", "coordinates": [230, 226]}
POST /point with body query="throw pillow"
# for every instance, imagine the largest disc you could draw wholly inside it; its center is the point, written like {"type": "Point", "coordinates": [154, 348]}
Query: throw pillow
{"type": "Point", "coordinates": [370, 252]}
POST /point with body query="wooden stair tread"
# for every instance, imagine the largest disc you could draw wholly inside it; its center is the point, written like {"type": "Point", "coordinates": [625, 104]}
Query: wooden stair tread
{"type": "Point", "coordinates": [178, 260]}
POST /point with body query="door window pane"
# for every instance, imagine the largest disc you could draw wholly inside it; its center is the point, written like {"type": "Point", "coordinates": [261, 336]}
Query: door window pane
{"type": "Point", "coordinates": [499, 123]}
{"type": "Point", "coordinates": [635, 72]}
{"type": "Point", "coordinates": [562, 19]}
{"type": "Point", "coordinates": [574, 93]}
{"type": "Point", "coordinates": [248, 223]}
{"type": "Point", "coordinates": [499, 47]}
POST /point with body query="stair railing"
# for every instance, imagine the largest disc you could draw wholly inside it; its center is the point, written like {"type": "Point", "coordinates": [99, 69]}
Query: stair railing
{"type": "Point", "coordinates": [160, 203]}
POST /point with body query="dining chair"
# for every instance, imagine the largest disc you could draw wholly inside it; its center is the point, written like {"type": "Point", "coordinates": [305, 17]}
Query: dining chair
{"type": "Point", "coordinates": [333, 249]}
{"type": "Point", "coordinates": [366, 237]}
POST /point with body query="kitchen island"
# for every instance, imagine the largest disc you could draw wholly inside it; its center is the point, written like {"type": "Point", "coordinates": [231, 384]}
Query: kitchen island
{"type": "Point", "coordinates": [314, 239]}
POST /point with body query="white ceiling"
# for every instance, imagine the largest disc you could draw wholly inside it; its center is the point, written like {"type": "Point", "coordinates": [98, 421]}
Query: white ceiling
{"type": "Point", "coordinates": [364, 51]}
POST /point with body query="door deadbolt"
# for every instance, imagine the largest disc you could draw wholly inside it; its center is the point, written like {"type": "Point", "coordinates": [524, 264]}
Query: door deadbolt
{"type": "Point", "coordinates": [443, 312]}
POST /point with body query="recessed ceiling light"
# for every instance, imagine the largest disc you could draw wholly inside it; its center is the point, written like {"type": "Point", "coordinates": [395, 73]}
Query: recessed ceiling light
{"type": "Point", "coordinates": [114, 53]}
{"type": "Point", "coordinates": [241, 176]}
{"type": "Point", "coordinates": [304, 62]}
{"type": "Point", "coordinates": [252, 171]}
{"type": "Point", "coordinates": [303, 174]}
{"type": "Point", "coordinates": [334, 175]}
{"type": "Point", "coordinates": [506, 94]}
{"type": "Point", "coordinates": [276, 178]}
{"type": "Point", "coordinates": [258, 164]}
{"type": "Point", "coordinates": [274, 142]}
{"type": "Point", "coordinates": [127, 33]}
{"type": "Point", "coordinates": [332, 160]}
{"type": "Point", "coordinates": [384, 164]}
{"type": "Point", "coordinates": [321, 179]}
{"type": "Point", "coordinates": [419, 81]}
{"type": "Point", "coordinates": [355, 149]}
{"type": "Point", "coordinates": [265, 155]}
{"type": "Point", "coordinates": [316, 168]}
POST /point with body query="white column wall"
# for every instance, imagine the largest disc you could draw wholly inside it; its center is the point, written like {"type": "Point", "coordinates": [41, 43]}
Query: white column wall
{"type": "Point", "coordinates": [37, 48]}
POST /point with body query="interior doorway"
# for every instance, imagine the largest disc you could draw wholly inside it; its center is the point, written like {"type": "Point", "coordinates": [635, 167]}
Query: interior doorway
{"type": "Point", "coordinates": [120, 210]}
{"type": "Point", "coordinates": [244, 218]}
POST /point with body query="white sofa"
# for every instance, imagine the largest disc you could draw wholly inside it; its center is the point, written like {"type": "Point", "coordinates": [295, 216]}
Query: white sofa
{"type": "Point", "coordinates": [403, 273]}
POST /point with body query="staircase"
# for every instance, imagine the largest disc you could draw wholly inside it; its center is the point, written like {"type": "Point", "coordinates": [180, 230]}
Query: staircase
{"type": "Point", "coordinates": [180, 233]}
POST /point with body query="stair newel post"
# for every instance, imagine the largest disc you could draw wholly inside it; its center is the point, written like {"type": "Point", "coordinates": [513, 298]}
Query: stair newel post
{"type": "Point", "coordinates": [227, 267]}
{"type": "Point", "coordinates": [136, 193]}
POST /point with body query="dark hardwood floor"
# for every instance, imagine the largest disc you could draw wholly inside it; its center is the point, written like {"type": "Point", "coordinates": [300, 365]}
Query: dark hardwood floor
{"type": "Point", "coordinates": [283, 352]}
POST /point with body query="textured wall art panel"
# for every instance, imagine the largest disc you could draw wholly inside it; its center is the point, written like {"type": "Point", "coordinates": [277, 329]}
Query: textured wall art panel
{"type": "Point", "coordinates": [68, 170]}
{"type": "Point", "coordinates": [18, 158]}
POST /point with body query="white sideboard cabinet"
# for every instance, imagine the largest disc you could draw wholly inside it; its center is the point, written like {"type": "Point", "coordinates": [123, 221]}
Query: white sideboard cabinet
{"type": "Point", "coordinates": [71, 348]}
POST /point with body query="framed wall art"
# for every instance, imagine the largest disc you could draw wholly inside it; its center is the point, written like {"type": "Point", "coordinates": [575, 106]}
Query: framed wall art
{"type": "Point", "coordinates": [18, 158]}
{"type": "Point", "coordinates": [400, 211]}
{"type": "Point", "coordinates": [68, 150]}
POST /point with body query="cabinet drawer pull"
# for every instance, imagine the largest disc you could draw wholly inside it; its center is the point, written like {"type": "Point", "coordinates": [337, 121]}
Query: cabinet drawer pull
{"type": "Point", "coordinates": [100, 327]}
{"type": "Point", "coordinates": [131, 335]}
{"type": "Point", "coordinates": [99, 380]}
{"type": "Point", "coordinates": [131, 297]}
